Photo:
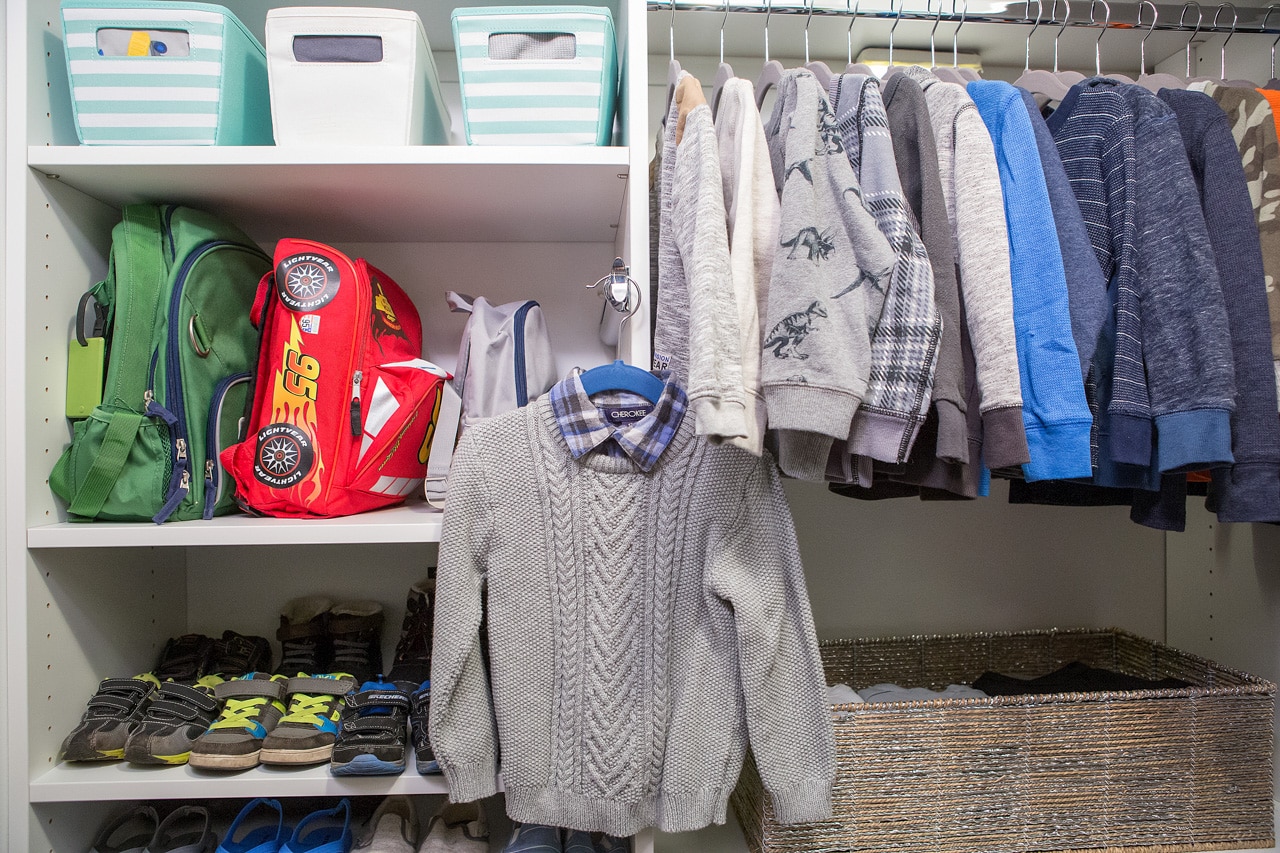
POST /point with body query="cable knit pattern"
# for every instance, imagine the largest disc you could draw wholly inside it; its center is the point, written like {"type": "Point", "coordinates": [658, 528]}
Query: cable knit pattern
{"type": "Point", "coordinates": [642, 627]}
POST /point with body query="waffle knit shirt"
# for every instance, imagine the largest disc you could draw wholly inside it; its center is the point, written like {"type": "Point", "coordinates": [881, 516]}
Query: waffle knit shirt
{"type": "Point", "coordinates": [643, 627]}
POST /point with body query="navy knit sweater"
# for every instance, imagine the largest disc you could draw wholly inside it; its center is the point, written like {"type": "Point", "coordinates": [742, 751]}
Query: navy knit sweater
{"type": "Point", "coordinates": [1165, 354]}
{"type": "Point", "coordinates": [1250, 489]}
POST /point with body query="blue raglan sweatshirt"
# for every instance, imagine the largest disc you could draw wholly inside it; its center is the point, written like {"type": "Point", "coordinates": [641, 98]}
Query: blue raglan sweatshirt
{"type": "Point", "coordinates": [1164, 359]}
{"type": "Point", "coordinates": [1086, 285]}
{"type": "Point", "coordinates": [1054, 409]}
{"type": "Point", "coordinates": [1249, 490]}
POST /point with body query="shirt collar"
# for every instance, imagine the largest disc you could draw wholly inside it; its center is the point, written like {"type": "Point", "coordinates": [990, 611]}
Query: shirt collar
{"type": "Point", "coordinates": [585, 428]}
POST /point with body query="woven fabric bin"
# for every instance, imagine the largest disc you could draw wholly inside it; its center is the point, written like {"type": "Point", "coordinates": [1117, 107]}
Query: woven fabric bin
{"type": "Point", "coordinates": [1149, 770]}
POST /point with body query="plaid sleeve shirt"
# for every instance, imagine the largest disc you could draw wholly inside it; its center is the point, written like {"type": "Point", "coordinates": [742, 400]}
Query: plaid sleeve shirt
{"type": "Point", "coordinates": [585, 427]}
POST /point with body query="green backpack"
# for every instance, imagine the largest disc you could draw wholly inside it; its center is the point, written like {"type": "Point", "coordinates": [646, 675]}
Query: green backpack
{"type": "Point", "coordinates": [181, 354]}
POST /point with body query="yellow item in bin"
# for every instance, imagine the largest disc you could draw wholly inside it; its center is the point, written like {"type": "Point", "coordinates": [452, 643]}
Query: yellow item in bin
{"type": "Point", "coordinates": [139, 44]}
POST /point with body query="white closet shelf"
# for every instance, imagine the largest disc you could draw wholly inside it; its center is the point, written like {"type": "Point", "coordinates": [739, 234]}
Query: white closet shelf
{"type": "Point", "coordinates": [414, 522]}
{"type": "Point", "coordinates": [415, 194]}
{"type": "Point", "coordinates": [121, 781]}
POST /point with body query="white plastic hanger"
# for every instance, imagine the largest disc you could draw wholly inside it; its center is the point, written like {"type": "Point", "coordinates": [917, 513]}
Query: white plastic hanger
{"type": "Point", "coordinates": [771, 74]}
{"type": "Point", "coordinates": [724, 72]}
{"type": "Point", "coordinates": [1153, 82]}
{"type": "Point", "coordinates": [819, 69]}
{"type": "Point", "coordinates": [1040, 82]}
{"type": "Point", "coordinates": [1097, 45]}
{"type": "Point", "coordinates": [852, 67]}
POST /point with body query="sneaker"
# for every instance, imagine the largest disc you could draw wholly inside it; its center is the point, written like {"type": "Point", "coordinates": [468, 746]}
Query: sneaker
{"type": "Point", "coordinates": [104, 727]}
{"type": "Point", "coordinates": [185, 659]}
{"type": "Point", "coordinates": [236, 655]}
{"type": "Point", "coordinates": [459, 828]}
{"type": "Point", "coordinates": [131, 832]}
{"type": "Point", "coordinates": [374, 731]}
{"type": "Point", "coordinates": [259, 828]}
{"type": "Point", "coordinates": [178, 715]}
{"type": "Point", "coordinates": [304, 637]}
{"type": "Point", "coordinates": [355, 629]}
{"type": "Point", "coordinates": [613, 844]}
{"type": "Point", "coordinates": [306, 734]}
{"type": "Point", "coordinates": [577, 841]}
{"type": "Point", "coordinates": [185, 830]}
{"type": "Point", "coordinates": [326, 831]}
{"type": "Point", "coordinates": [534, 838]}
{"type": "Point", "coordinates": [412, 662]}
{"type": "Point", "coordinates": [252, 705]}
{"type": "Point", "coordinates": [394, 828]}
{"type": "Point", "coordinates": [420, 710]}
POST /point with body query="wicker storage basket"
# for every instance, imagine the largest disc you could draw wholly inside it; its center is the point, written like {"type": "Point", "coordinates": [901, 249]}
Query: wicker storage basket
{"type": "Point", "coordinates": [1151, 770]}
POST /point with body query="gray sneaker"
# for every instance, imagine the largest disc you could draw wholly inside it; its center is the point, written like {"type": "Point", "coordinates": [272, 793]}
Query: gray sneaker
{"type": "Point", "coordinates": [117, 707]}
{"type": "Point", "coordinates": [178, 715]}
{"type": "Point", "coordinates": [458, 828]}
{"type": "Point", "coordinates": [306, 733]}
{"type": "Point", "coordinates": [252, 705]}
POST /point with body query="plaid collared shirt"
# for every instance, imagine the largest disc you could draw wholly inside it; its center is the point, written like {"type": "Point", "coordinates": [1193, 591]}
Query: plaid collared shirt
{"type": "Point", "coordinates": [585, 428]}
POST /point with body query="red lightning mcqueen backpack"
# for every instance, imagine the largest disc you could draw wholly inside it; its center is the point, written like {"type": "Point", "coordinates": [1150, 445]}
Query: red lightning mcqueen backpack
{"type": "Point", "coordinates": [344, 408]}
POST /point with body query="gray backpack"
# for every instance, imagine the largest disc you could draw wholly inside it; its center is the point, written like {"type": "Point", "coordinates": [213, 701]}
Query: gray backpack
{"type": "Point", "coordinates": [505, 359]}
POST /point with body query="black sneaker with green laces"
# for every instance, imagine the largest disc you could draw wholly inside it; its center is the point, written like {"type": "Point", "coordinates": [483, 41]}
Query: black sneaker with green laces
{"type": "Point", "coordinates": [115, 709]}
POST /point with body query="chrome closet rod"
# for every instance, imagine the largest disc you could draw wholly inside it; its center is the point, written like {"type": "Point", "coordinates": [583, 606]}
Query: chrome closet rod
{"type": "Point", "coordinates": [932, 17]}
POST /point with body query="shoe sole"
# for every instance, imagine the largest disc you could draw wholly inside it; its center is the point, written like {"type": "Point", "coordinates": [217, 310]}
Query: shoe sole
{"type": "Point", "coordinates": [427, 768]}
{"type": "Point", "coordinates": [214, 761]}
{"type": "Point", "coordinates": [315, 755]}
{"type": "Point", "coordinates": [102, 755]}
{"type": "Point", "coordinates": [367, 765]}
{"type": "Point", "coordinates": [167, 760]}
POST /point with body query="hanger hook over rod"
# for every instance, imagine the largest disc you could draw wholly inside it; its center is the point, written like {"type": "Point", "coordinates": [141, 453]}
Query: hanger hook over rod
{"type": "Point", "coordinates": [1106, 22]}
{"type": "Point", "coordinates": [955, 34]}
{"type": "Point", "coordinates": [671, 34]}
{"type": "Point", "coordinates": [933, 55]}
{"type": "Point", "coordinates": [808, 17]}
{"type": "Point", "coordinates": [723, 21]}
{"type": "Point", "coordinates": [1142, 45]}
{"type": "Point", "coordinates": [1182, 23]}
{"type": "Point", "coordinates": [1235, 19]}
{"type": "Point", "coordinates": [896, 21]}
{"type": "Point", "coordinates": [1272, 8]}
{"type": "Point", "coordinates": [1026, 65]}
{"type": "Point", "coordinates": [768, 13]}
{"type": "Point", "coordinates": [852, 9]}
{"type": "Point", "coordinates": [1066, 20]}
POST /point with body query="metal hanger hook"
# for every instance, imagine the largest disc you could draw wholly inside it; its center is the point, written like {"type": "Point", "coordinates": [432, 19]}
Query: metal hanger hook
{"type": "Point", "coordinates": [1106, 22]}
{"type": "Point", "coordinates": [955, 34]}
{"type": "Point", "coordinates": [1026, 65]}
{"type": "Point", "coordinates": [1142, 45]}
{"type": "Point", "coordinates": [768, 13]}
{"type": "Point", "coordinates": [852, 9]}
{"type": "Point", "coordinates": [672, 31]}
{"type": "Point", "coordinates": [1272, 8]}
{"type": "Point", "coordinates": [723, 21]}
{"type": "Point", "coordinates": [933, 55]}
{"type": "Point", "coordinates": [1066, 20]}
{"type": "Point", "coordinates": [896, 21]}
{"type": "Point", "coordinates": [807, 18]}
{"type": "Point", "coordinates": [1235, 19]}
{"type": "Point", "coordinates": [1182, 23]}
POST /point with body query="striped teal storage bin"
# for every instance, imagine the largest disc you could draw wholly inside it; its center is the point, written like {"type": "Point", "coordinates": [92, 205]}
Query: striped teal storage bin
{"type": "Point", "coordinates": [154, 73]}
{"type": "Point", "coordinates": [537, 75]}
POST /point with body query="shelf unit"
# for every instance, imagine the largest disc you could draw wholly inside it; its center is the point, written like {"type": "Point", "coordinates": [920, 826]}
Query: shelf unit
{"type": "Point", "coordinates": [84, 600]}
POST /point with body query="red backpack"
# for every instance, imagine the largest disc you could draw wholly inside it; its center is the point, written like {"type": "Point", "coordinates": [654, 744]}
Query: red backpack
{"type": "Point", "coordinates": [344, 407]}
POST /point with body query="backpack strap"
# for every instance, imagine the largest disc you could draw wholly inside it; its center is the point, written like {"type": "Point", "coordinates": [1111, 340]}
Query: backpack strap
{"type": "Point", "coordinates": [107, 464]}
{"type": "Point", "coordinates": [138, 253]}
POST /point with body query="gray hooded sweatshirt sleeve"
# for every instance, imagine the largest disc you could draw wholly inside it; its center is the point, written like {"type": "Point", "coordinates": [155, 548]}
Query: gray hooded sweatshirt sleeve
{"type": "Point", "coordinates": [827, 286]}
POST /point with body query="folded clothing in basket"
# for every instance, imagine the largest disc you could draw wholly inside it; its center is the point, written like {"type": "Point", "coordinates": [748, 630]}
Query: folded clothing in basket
{"type": "Point", "coordinates": [1075, 677]}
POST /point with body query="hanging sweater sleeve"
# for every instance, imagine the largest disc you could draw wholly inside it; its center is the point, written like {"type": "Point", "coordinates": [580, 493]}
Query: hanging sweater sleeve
{"type": "Point", "coordinates": [716, 393]}
{"type": "Point", "coordinates": [1185, 344]}
{"type": "Point", "coordinates": [755, 568]}
{"type": "Point", "coordinates": [463, 728]}
{"type": "Point", "coordinates": [982, 244]}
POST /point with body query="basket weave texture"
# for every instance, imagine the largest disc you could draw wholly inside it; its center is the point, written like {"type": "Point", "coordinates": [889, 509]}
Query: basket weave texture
{"type": "Point", "coordinates": [1148, 770]}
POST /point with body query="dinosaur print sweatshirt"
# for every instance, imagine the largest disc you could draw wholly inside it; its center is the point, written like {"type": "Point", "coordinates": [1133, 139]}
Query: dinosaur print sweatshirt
{"type": "Point", "coordinates": [827, 286]}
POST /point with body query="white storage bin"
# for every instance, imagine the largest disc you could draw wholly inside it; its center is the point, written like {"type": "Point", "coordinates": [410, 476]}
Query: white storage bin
{"type": "Point", "coordinates": [353, 76]}
{"type": "Point", "coordinates": [537, 75]}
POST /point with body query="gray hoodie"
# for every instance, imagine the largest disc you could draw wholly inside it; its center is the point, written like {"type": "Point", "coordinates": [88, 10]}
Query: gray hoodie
{"type": "Point", "coordinates": [827, 286]}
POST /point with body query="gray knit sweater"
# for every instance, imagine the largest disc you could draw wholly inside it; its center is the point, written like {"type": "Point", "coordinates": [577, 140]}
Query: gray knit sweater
{"type": "Point", "coordinates": [643, 628]}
